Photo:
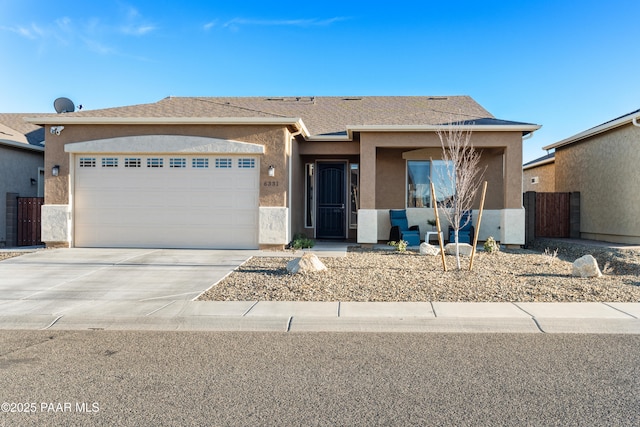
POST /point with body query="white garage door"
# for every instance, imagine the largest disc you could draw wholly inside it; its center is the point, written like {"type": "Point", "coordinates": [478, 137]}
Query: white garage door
{"type": "Point", "coordinates": [166, 201]}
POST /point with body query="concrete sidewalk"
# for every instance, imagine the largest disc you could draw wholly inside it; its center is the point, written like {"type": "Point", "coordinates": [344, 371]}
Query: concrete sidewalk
{"type": "Point", "coordinates": [92, 289]}
{"type": "Point", "coordinates": [598, 318]}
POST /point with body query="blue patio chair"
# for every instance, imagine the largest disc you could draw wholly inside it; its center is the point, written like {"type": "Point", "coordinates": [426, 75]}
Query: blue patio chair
{"type": "Point", "coordinates": [400, 229]}
{"type": "Point", "coordinates": [466, 233]}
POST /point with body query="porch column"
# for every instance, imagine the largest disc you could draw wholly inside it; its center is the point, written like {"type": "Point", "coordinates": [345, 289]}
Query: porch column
{"type": "Point", "coordinates": [367, 214]}
{"type": "Point", "coordinates": [513, 214]}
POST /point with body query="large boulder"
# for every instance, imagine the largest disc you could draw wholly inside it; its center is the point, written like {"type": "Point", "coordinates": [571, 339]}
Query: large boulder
{"type": "Point", "coordinates": [465, 249]}
{"type": "Point", "coordinates": [427, 249]}
{"type": "Point", "coordinates": [307, 263]}
{"type": "Point", "coordinates": [586, 266]}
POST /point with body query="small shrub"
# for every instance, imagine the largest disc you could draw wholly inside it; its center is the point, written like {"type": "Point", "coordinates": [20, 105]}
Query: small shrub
{"type": "Point", "coordinates": [301, 241]}
{"type": "Point", "coordinates": [491, 246]}
{"type": "Point", "coordinates": [400, 246]}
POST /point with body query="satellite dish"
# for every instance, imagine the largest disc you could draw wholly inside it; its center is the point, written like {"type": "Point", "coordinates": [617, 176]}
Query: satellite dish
{"type": "Point", "coordinates": [64, 105]}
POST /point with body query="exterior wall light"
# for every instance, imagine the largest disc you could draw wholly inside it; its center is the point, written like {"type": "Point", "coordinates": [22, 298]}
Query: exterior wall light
{"type": "Point", "coordinates": [34, 181]}
{"type": "Point", "coordinates": [272, 171]}
{"type": "Point", "coordinates": [55, 170]}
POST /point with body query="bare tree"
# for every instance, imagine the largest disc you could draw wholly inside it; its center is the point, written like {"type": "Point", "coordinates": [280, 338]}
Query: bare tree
{"type": "Point", "coordinates": [461, 172]}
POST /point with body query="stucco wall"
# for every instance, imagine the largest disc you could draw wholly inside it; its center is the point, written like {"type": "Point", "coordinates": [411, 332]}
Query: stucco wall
{"type": "Point", "coordinates": [17, 167]}
{"type": "Point", "coordinates": [546, 179]}
{"type": "Point", "coordinates": [390, 173]}
{"type": "Point", "coordinates": [274, 138]}
{"type": "Point", "coordinates": [604, 169]}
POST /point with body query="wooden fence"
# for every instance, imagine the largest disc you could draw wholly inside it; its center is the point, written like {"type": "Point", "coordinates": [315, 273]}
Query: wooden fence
{"type": "Point", "coordinates": [29, 224]}
{"type": "Point", "coordinates": [551, 215]}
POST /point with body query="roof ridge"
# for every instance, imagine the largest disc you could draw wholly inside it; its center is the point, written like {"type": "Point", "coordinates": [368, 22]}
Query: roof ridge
{"type": "Point", "coordinates": [228, 104]}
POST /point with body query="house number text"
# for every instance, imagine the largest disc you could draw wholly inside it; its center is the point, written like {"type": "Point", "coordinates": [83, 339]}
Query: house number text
{"type": "Point", "coordinates": [270, 183]}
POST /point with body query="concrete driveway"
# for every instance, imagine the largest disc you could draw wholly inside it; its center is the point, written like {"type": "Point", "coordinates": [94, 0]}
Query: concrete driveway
{"type": "Point", "coordinates": [88, 281]}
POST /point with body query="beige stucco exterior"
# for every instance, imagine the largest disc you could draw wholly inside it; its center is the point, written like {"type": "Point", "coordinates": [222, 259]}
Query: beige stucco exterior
{"type": "Point", "coordinates": [381, 152]}
{"type": "Point", "coordinates": [604, 169]}
{"type": "Point", "coordinates": [544, 177]}
{"type": "Point", "coordinates": [276, 141]}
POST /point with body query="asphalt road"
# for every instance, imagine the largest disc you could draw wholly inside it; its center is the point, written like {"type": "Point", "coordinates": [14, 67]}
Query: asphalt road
{"type": "Point", "coordinates": [113, 378]}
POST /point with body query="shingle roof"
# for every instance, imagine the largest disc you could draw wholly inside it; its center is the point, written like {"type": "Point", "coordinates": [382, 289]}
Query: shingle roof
{"type": "Point", "coordinates": [548, 158]}
{"type": "Point", "coordinates": [14, 128]}
{"type": "Point", "coordinates": [321, 115]}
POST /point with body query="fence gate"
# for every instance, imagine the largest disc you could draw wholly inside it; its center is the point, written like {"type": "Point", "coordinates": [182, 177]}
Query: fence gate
{"type": "Point", "coordinates": [29, 225]}
{"type": "Point", "coordinates": [552, 215]}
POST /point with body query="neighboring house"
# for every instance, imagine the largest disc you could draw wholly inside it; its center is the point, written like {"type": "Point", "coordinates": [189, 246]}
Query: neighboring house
{"type": "Point", "coordinates": [21, 170]}
{"type": "Point", "coordinates": [602, 163]}
{"type": "Point", "coordinates": [250, 172]}
{"type": "Point", "coordinates": [539, 175]}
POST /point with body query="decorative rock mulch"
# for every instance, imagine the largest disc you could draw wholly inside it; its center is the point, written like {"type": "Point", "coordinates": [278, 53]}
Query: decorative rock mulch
{"type": "Point", "coordinates": [508, 276]}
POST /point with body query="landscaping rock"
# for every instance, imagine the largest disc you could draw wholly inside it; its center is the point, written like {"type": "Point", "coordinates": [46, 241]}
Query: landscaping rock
{"type": "Point", "coordinates": [427, 249]}
{"type": "Point", "coordinates": [586, 266]}
{"type": "Point", "coordinates": [465, 249]}
{"type": "Point", "coordinates": [307, 263]}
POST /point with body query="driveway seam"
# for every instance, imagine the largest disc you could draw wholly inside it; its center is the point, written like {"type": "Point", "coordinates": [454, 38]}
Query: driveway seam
{"type": "Point", "coordinates": [52, 323]}
{"type": "Point", "coordinates": [160, 308]}
{"type": "Point", "coordinates": [250, 308]}
{"type": "Point", "coordinates": [621, 311]}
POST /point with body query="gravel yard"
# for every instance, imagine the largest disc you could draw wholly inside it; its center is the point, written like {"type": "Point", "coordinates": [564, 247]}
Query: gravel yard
{"type": "Point", "coordinates": [508, 276]}
{"type": "Point", "coordinates": [5, 255]}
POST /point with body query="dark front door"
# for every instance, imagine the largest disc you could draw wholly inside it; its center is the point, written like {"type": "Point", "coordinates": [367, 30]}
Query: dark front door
{"type": "Point", "coordinates": [331, 220]}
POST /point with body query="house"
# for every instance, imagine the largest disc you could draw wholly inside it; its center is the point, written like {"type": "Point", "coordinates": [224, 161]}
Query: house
{"type": "Point", "coordinates": [602, 164]}
{"type": "Point", "coordinates": [21, 170]}
{"type": "Point", "coordinates": [250, 172]}
{"type": "Point", "coordinates": [539, 175]}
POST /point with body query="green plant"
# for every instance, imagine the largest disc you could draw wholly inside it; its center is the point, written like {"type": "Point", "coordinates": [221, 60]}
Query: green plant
{"type": "Point", "coordinates": [301, 241]}
{"type": "Point", "coordinates": [401, 246]}
{"type": "Point", "coordinates": [491, 245]}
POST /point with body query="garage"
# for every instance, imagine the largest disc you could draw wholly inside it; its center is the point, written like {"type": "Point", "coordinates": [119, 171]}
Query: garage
{"type": "Point", "coordinates": [160, 200]}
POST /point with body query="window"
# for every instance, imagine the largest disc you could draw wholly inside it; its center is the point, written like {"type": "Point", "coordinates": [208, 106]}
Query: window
{"type": "Point", "coordinates": [109, 162]}
{"type": "Point", "coordinates": [354, 202]}
{"type": "Point", "coordinates": [155, 162]}
{"type": "Point", "coordinates": [309, 182]}
{"type": "Point", "coordinates": [87, 162]}
{"type": "Point", "coordinates": [246, 163]}
{"type": "Point", "coordinates": [420, 174]}
{"type": "Point", "coordinates": [223, 163]}
{"type": "Point", "coordinates": [200, 163]}
{"type": "Point", "coordinates": [130, 162]}
{"type": "Point", "coordinates": [178, 162]}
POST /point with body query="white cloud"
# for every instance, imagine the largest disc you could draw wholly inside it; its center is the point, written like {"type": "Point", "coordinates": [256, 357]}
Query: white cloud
{"type": "Point", "coordinates": [209, 25]}
{"type": "Point", "coordinates": [312, 22]}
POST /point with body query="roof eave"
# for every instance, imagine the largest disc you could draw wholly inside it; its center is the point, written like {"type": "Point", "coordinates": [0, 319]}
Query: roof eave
{"type": "Point", "coordinates": [22, 145]}
{"type": "Point", "coordinates": [540, 163]}
{"type": "Point", "coordinates": [295, 122]}
{"type": "Point", "coordinates": [525, 129]}
{"type": "Point", "coordinates": [594, 131]}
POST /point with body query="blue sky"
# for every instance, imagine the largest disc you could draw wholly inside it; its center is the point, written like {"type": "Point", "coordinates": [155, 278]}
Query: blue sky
{"type": "Point", "coordinates": [563, 64]}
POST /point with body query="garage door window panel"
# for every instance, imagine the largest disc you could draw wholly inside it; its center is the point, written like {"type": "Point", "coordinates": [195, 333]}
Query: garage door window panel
{"type": "Point", "coordinates": [155, 162]}
{"type": "Point", "coordinates": [132, 162]}
{"type": "Point", "coordinates": [200, 163]}
{"type": "Point", "coordinates": [87, 162]}
{"type": "Point", "coordinates": [109, 162]}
